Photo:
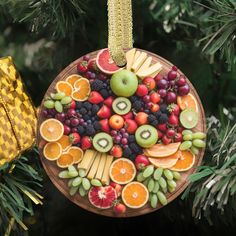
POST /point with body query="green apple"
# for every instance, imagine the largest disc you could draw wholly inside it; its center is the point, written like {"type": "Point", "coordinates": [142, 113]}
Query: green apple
{"type": "Point", "coordinates": [124, 83]}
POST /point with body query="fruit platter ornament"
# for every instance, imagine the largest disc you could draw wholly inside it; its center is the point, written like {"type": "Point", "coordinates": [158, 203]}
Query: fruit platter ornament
{"type": "Point", "coordinates": [121, 141]}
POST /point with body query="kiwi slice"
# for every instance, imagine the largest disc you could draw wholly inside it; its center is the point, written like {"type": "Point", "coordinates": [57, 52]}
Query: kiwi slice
{"type": "Point", "coordinates": [102, 142]}
{"type": "Point", "coordinates": [188, 118]}
{"type": "Point", "coordinates": [121, 105]}
{"type": "Point", "coordinates": [146, 136]}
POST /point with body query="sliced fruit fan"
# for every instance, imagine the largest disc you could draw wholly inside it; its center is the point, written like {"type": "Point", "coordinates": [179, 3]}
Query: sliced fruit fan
{"type": "Point", "coordinates": [121, 141]}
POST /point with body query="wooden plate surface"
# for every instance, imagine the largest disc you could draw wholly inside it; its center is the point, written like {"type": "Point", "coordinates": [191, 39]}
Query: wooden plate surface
{"type": "Point", "coordinates": [52, 169]}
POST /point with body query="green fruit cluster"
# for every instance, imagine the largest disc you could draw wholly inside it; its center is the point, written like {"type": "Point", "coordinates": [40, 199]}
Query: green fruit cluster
{"type": "Point", "coordinates": [78, 181]}
{"type": "Point", "coordinates": [57, 101]}
{"type": "Point", "coordinates": [192, 141]}
{"type": "Point", "coordinates": [158, 181]}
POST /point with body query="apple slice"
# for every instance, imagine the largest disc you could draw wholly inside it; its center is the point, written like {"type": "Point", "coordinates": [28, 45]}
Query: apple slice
{"type": "Point", "coordinates": [130, 58]}
{"type": "Point", "coordinates": [140, 60]}
{"type": "Point", "coordinates": [154, 69]}
{"type": "Point", "coordinates": [145, 65]}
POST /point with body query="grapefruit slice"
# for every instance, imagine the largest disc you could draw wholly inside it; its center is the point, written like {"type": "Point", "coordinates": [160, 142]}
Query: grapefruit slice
{"type": "Point", "coordinates": [52, 151]}
{"type": "Point", "coordinates": [166, 162]}
{"type": "Point", "coordinates": [72, 79]}
{"type": "Point", "coordinates": [161, 150]}
{"type": "Point", "coordinates": [51, 130]}
{"type": "Point", "coordinates": [105, 63]}
{"type": "Point", "coordinates": [77, 154]}
{"type": "Point", "coordinates": [65, 87]}
{"type": "Point", "coordinates": [185, 161]}
{"type": "Point", "coordinates": [135, 195]}
{"type": "Point", "coordinates": [187, 101]}
{"type": "Point", "coordinates": [65, 160]}
{"type": "Point", "coordinates": [102, 197]}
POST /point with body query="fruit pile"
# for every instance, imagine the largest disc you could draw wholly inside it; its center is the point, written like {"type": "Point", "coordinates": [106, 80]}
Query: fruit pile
{"type": "Point", "coordinates": [122, 135]}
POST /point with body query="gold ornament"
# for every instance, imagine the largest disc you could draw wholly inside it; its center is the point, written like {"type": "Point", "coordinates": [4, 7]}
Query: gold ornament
{"type": "Point", "coordinates": [17, 114]}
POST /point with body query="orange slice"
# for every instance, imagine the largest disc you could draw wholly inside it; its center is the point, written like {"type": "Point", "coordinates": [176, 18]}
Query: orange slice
{"type": "Point", "coordinates": [187, 101]}
{"type": "Point", "coordinates": [52, 151]}
{"type": "Point", "coordinates": [65, 160]}
{"type": "Point", "coordinates": [77, 154]}
{"type": "Point", "coordinates": [65, 142]}
{"type": "Point", "coordinates": [161, 150]}
{"type": "Point", "coordinates": [185, 162]}
{"type": "Point", "coordinates": [72, 79]}
{"type": "Point", "coordinates": [135, 195]}
{"type": "Point", "coordinates": [166, 162]}
{"type": "Point", "coordinates": [122, 171]}
{"type": "Point", "coordinates": [82, 90]}
{"type": "Point", "coordinates": [51, 130]}
{"type": "Point", "coordinates": [65, 87]}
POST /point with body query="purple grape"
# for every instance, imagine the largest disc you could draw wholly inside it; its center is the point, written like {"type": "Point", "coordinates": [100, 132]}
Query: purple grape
{"type": "Point", "coordinates": [86, 57]}
{"type": "Point", "coordinates": [125, 146]}
{"type": "Point", "coordinates": [67, 122]}
{"type": "Point", "coordinates": [162, 92]}
{"type": "Point", "coordinates": [71, 112]}
{"type": "Point", "coordinates": [171, 97]}
{"type": "Point", "coordinates": [165, 77]}
{"type": "Point", "coordinates": [125, 135]}
{"type": "Point", "coordinates": [93, 76]}
{"type": "Point", "coordinates": [172, 83]}
{"type": "Point", "coordinates": [60, 116]}
{"type": "Point", "coordinates": [122, 130]}
{"type": "Point", "coordinates": [45, 113]}
{"type": "Point", "coordinates": [117, 139]}
{"type": "Point", "coordinates": [124, 141]}
{"type": "Point", "coordinates": [113, 132]}
{"type": "Point", "coordinates": [49, 116]}
{"type": "Point", "coordinates": [102, 77]}
{"type": "Point", "coordinates": [52, 112]}
{"type": "Point", "coordinates": [149, 105]}
{"type": "Point", "coordinates": [88, 74]}
{"type": "Point", "coordinates": [146, 98]}
{"type": "Point", "coordinates": [74, 122]}
{"type": "Point", "coordinates": [181, 81]}
{"type": "Point", "coordinates": [162, 84]}
{"type": "Point", "coordinates": [172, 75]}
{"type": "Point", "coordinates": [81, 120]}
{"type": "Point", "coordinates": [174, 68]}
{"type": "Point", "coordinates": [183, 90]}
{"type": "Point", "coordinates": [74, 130]}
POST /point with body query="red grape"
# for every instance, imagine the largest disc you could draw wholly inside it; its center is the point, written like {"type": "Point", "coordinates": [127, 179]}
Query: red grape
{"type": "Point", "coordinates": [183, 90]}
{"type": "Point", "coordinates": [162, 92]}
{"type": "Point", "coordinates": [172, 75]}
{"type": "Point", "coordinates": [171, 97]}
{"type": "Point", "coordinates": [162, 84]}
{"type": "Point", "coordinates": [181, 81]}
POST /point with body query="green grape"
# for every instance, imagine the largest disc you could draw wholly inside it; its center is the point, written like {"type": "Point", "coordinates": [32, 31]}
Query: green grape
{"type": "Point", "coordinates": [194, 150]}
{"type": "Point", "coordinates": [72, 172]}
{"type": "Point", "coordinates": [154, 201]}
{"type": "Point", "coordinates": [185, 145]}
{"type": "Point", "coordinates": [171, 183]}
{"type": "Point", "coordinates": [156, 187]}
{"type": "Point", "coordinates": [82, 191]}
{"type": "Point", "coordinates": [187, 137]}
{"type": "Point", "coordinates": [58, 107]}
{"type": "Point", "coordinates": [176, 175]}
{"type": "Point", "coordinates": [145, 182]}
{"type": "Point", "coordinates": [77, 181]}
{"type": "Point", "coordinates": [140, 177]}
{"type": "Point", "coordinates": [164, 190]}
{"type": "Point", "coordinates": [49, 104]}
{"type": "Point", "coordinates": [148, 171]}
{"type": "Point", "coordinates": [82, 173]}
{"type": "Point", "coordinates": [150, 197]}
{"type": "Point", "coordinates": [187, 131]}
{"type": "Point", "coordinates": [73, 190]}
{"type": "Point", "coordinates": [70, 182]}
{"type": "Point", "coordinates": [199, 135]}
{"type": "Point", "coordinates": [158, 173]}
{"type": "Point", "coordinates": [151, 184]}
{"type": "Point", "coordinates": [58, 96]}
{"type": "Point", "coordinates": [199, 143]}
{"type": "Point", "coordinates": [66, 100]}
{"type": "Point", "coordinates": [86, 184]}
{"type": "Point", "coordinates": [64, 174]}
{"type": "Point", "coordinates": [71, 168]}
{"type": "Point", "coordinates": [96, 182]}
{"type": "Point", "coordinates": [171, 190]}
{"type": "Point", "coordinates": [162, 198]}
{"type": "Point", "coordinates": [162, 183]}
{"type": "Point", "coordinates": [168, 174]}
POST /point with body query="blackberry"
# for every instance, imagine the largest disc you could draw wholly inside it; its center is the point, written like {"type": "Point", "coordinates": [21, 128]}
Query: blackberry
{"type": "Point", "coordinates": [163, 119]}
{"type": "Point", "coordinates": [90, 130]}
{"type": "Point", "coordinates": [127, 152]}
{"type": "Point", "coordinates": [104, 93]}
{"type": "Point", "coordinates": [163, 108]}
{"type": "Point", "coordinates": [131, 138]}
{"type": "Point", "coordinates": [97, 126]}
{"type": "Point", "coordinates": [89, 113]}
{"type": "Point", "coordinates": [158, 114]}
{"type": "Point", "coordinates": [95, 109]}
{"type": "Point", "coordinates": [82, 111]}
{"type": "Point", "coordinates": [132, 157]}
{"type": "Point", "coordinates": [87, 105]}
{"type": "Point", "coordinates": [81, 130]}
{"type": "Point", "coordinates": [86, 117]}
{"type": "Point", "coordinates": [155, 123]}
{"type": "Point", "coordinates": [97, 85]}
{"type": "Point", "coordinates": [137, 105]}
{"type": "Point", "coordinates": [79, 105]}
{"type": "Point", "coordinates": [147, 111]}
{"type": "Point", "coordinates": [133, 99]}
{"type": "Point", "coordinates": [151, 118]}
{"type": "Point", "coordinates": [135, 147]}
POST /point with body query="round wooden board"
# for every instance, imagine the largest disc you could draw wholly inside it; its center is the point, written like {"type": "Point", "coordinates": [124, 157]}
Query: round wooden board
{"type": "Point", "coordinates": [52, 169]}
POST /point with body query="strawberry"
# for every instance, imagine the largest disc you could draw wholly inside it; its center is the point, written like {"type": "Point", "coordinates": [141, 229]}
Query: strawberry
{"type": "Point", "coordinates": [72, 104]}
{"type": "Point", "coordinates": [166, 140]}
{"type": "Point", "coordinates": [82, 66]}
{"type": "Point", "coordinates": [129, 115]}
{"type": "Point", "coordinates": [74, 138]}
{"type": "Point", "coordinates": [130, 126]}
{"type": "Point", "coordinates": [162, 127]}
{"type": "Point", "coordinates": [105, 125]}
{"type": "Point", "coordinates": [104, 112]}
{"type": "Point", "coordinates": [142, 90]}
{"type": "Point", "coordinates": [108, 101]}
{"type": "Point", "coordinates": [86, 143]}
{"type": "Point", "coordinates": [141, 161]}
{"type": "Point", "coordinates": [178, 137]}
{"type": "Point", "coordinates": [173, 120]}
{"type": "Point", "coordinates": [174, 109]}
{"type": "Point", "coordinates": [95, 97]}
{"type": "Point", "coordinates": [92, 66]}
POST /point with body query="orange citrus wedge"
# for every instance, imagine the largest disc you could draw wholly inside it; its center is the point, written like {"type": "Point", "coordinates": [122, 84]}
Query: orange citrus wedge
{"type": "Point", "coordinates": [65, 142]}
{"type": "Point", "coordinates": [185, 161]}
{"type": "Point", "coordinates": [72, 79]}
{"type": "Point", "coordinates": [82, 90]}
{"type": "Point", "coordinates": [52, 151]}
{"type": "Point", "coordinates": [65, 87]}
{"type": "Point", "coordinates": [166, 162]}
{"type": "Point", "coordinates": [122, 171]}
{"type": "Point", "coordinates": [77, 154]}
{"type": "Point", "coordinates": [65, 160]}
{"type": "Point", "coordinates": [51, 130]}
{"type": "Point", "coordinates": [135, 195]}
{"type": "Point", "coordinates": [187, 101]}
{"type": "Point", "coordinates": [161, 150]}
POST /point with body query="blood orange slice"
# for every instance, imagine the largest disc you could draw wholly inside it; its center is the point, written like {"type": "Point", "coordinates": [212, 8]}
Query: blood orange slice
{"type": "Point", "coordinates": [185, 161]}
{"type": "Point", "coordinates": [122, 171]}
{"type": "Point", "coordinates": [52, 151]}
{"type": "Point", "coordinates": [102, 197]}
{"type": "Point", "coordinates": [187, 101]}
{"type": "Point", "coordinates": [105, 62]}
{"type": "Point", "coordinates": [135, 195]}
